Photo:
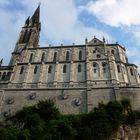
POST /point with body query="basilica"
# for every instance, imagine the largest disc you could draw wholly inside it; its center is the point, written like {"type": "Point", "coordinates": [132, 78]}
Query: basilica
{"type": "Point", "coordinates": [76, 77]}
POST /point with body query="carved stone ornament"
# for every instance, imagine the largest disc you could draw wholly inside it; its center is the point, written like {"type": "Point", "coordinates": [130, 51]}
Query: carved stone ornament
{"type": "Point", "coordinates": [7, 113]}
{"type": "Point", "coordinates": [64, 97]}
{"type": "Point", "coordinates": [78, 101]}
{"type": "Point", "coordinates": [32, 96]}
{"type": "Point", "coordinates": [10, 100]}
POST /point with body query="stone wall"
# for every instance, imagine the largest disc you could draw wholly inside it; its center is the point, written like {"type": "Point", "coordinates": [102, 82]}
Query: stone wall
{"type": "Point", "coordinates": [68, 100]}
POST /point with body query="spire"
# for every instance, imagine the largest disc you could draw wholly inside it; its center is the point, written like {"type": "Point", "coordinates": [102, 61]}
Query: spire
{"type": "Point", "coordinates": [36, 16]}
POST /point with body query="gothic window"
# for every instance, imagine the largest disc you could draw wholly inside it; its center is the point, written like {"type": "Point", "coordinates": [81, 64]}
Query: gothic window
{"type": "Point", "coordinates": [21, 70]}
{"type": "Point", "coordinates": [55, 56]}
{"type": "Point", "coordinates": [112, 51]}
{"type": "Point", "coordinates": [22, 39]}
{"type": "Point", "coordinates": [28, 36]}
{"type": "Point", "coordinates": [43, 57]}
{"type": "Point", "coordinates": [35, 69]}
{"type": "Point", "coordinates": [104, 67]}
{"type": "Point", "coordinates": [95, 67]}
{"type": "Point", "coordinates": [64, 69]}
{"type": "Point", "coordinates": [50, 69]}
{"type": "Point", "coordinates": [8, 75]}
{"type": "Point", "coordinates": [80, 55]}
{"type": "Point", "coordinates": [95, 70]}
{"type": "Point", "coordinates": [67, 55]}
{"type": "Point", "coordinates": [4, 76]}
{"type": "Point", "coordinates": [79, 68]}
{"type": "Point", "coordinates": [31, 58]}
{"type": "Point", "coordinates": [131, 71]}
{"type": "Point", "coordinates": [118, 68]}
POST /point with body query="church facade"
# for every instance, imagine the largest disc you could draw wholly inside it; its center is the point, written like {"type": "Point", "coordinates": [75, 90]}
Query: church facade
{"type": "Point", "coordinates": [76, 77]}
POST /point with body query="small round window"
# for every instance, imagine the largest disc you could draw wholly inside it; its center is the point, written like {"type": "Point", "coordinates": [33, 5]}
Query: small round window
{"type": "Point", "coordinates": [98, 55]}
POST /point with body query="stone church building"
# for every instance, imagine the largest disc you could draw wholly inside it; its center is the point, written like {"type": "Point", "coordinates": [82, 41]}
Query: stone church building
{"type": "Point", "coordinates": [76, 77]}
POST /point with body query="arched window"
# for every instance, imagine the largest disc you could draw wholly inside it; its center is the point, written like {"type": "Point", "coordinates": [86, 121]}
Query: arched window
{"type": "Point", "coordinates": [22, 38]}
{"type": "Point", "coordinates": [31, 58]}
{"type": "Point", "coordinates": [80, 55]}
{"type": "Point", "coordinates": [50, 69]}
{"type": "Point", "coordinates": [95, 67]}
{"type": "Point", "coordinates": [35, 69]}
{"type": "Point", "coordinates": [131, 71]}
{"type": "Point", "coordinates": [43, 57]}
{"type": "Point", "coordinates": [3, 76]}
{"type": "Point", "coordinates": [67, 55]}
{"type": "Point", "coordinates": [112, 51]}
{"type": "Point", "coordinates": [8, 76]}
{"type": "Point", "coordinates": [55, 56]}
{"type": "Point", "coordinates": [104, 67]}
{"type": "Point", "coordinates": [118, 68]}
{"type": "Point", "coordinates": [79, 68]}
{"type": "Point", "coordinates": [96, 70]}
{"type": "Point", "coordinates": [28, 36]}
{"type": "Point", "coordinates": [64, 69]}
{"type": "Point", "coordinates": [21, 70]}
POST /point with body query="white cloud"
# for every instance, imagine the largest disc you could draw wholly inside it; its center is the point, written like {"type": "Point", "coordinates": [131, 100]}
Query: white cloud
{"type": "Point", "coordinates": [134, 54]}
{"type": "Point", "coordinates": [59, 24]}
{"type": "Point", "coordinates": [123, 14]}
{"type": "Point", "coordinates": [115, 12]}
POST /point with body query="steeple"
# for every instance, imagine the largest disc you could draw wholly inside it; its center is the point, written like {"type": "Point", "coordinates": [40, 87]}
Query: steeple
{"type": "Point", "coordinates": [29, 35]}
{"type": "Point", "coordinates": [31, 30]}
{"type": "Point", "coordinates": [34, 21]}
{"type": "Point", "coordinates": [36, 16]}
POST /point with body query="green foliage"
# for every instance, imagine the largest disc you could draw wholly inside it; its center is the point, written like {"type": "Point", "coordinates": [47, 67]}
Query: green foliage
{"type": "Point", "coordinates": [13, 133]}
{"type": "Point", "coordinates": [133, 117]}
{"type": "Point", "coordinates": [44, 122]}
{"type": "Point", "coordinates": [47, 110]}
{"type": "Point", "coordinates": [8, 133]}
{"type": "Point", "coordinates": [126, 105]}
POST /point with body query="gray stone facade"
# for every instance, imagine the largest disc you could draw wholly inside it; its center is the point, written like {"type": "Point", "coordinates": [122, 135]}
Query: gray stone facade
{"type": "Point", "coordinates": [76, 77]}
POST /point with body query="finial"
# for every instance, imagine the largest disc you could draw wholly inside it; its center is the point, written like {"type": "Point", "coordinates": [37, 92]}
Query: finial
{"type": "Point", "coordinates": [103, 39]}
{"type": "Point", "coordinates": [27, 21]}
{"type": "Point", "coordinates": [86, 40]}
{"type": "Point", "coordinates": [1, 61]}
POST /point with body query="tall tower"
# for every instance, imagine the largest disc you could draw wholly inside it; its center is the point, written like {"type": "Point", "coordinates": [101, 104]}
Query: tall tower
{"type": "Point", "coordinates": [29, 35]}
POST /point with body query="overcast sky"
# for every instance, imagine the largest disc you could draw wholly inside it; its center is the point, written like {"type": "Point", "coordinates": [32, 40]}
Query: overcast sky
{"type": "Point", "coordinates": [70, 21]}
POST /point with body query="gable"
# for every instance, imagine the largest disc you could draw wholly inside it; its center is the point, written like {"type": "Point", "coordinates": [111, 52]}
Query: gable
{"type": "Point", "coordinates": [95, 41]}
